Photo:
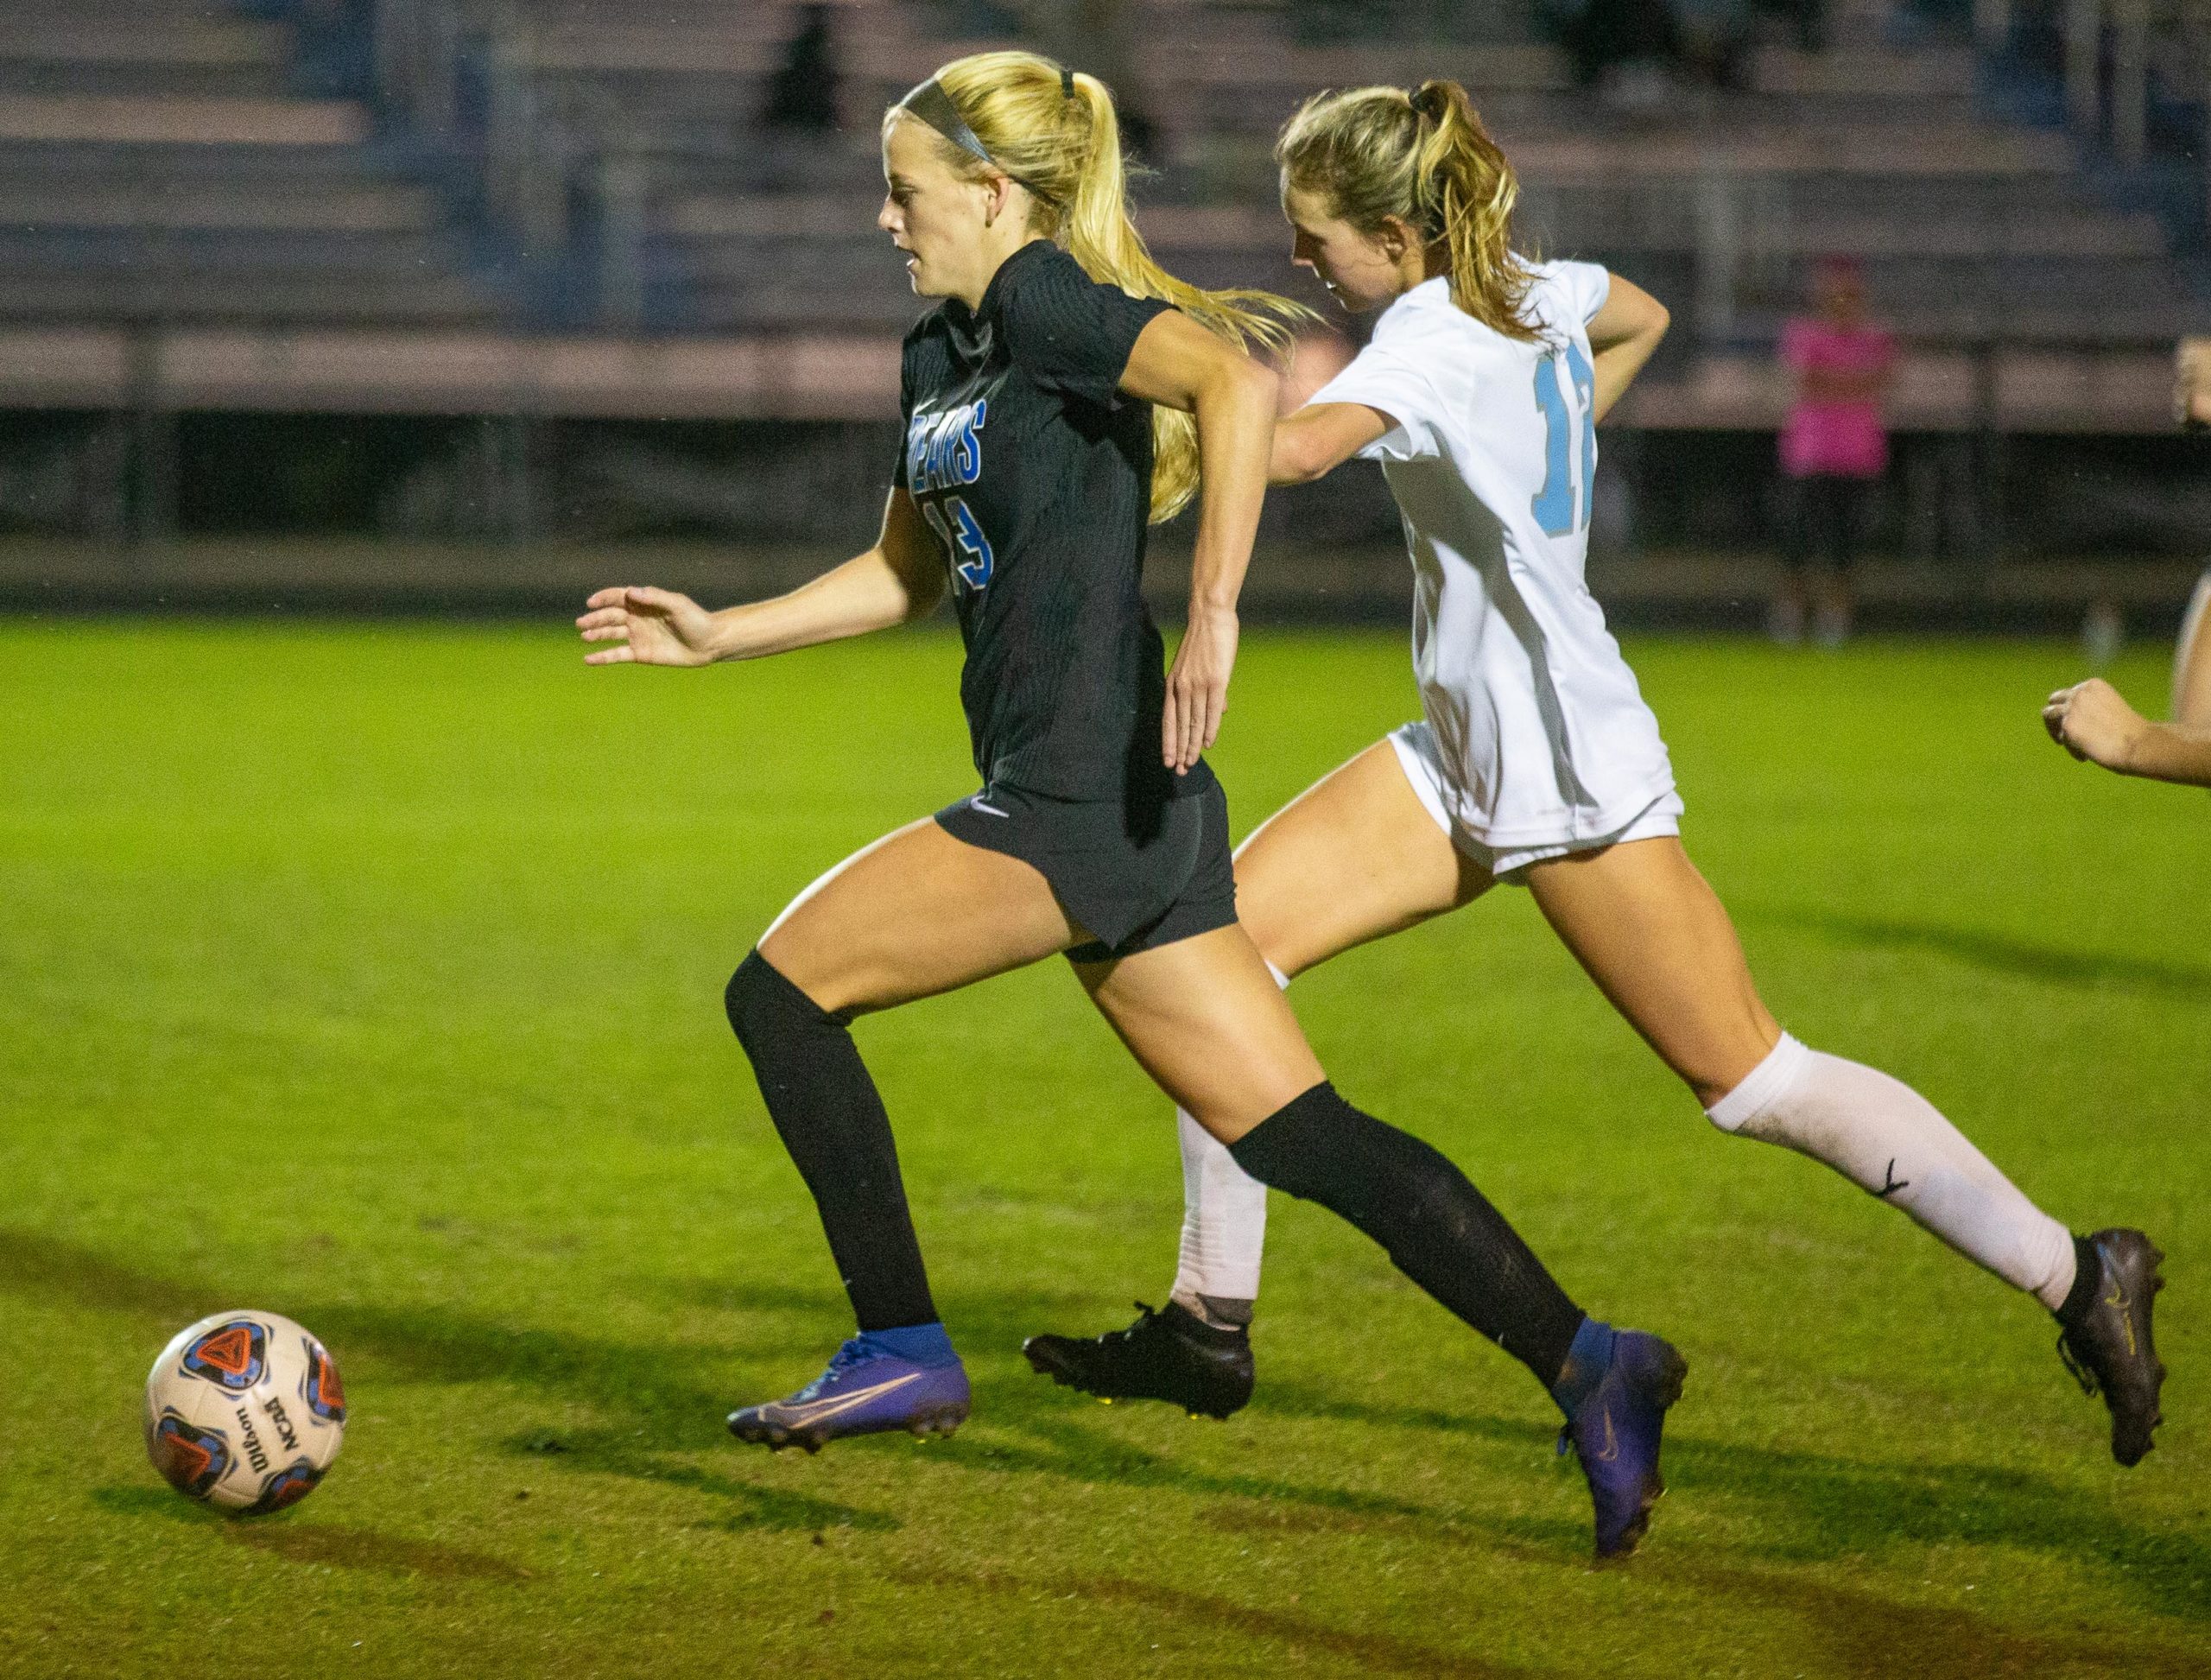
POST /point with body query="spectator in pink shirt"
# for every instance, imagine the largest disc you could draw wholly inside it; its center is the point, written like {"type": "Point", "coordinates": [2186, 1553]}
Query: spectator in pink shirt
{"type": "Point", "coordinates": [1833, 449]}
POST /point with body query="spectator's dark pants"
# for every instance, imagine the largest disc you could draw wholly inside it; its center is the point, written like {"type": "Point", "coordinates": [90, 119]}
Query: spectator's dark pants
{"type": "Point", "coordinates": [1826, 520]}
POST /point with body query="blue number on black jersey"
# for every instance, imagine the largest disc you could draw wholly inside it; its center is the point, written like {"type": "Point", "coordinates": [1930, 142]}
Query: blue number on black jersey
{"type": "Point", "coordinates": [964, 535]}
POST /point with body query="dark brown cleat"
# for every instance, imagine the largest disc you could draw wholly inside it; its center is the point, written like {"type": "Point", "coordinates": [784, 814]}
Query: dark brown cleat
{"type": "Point", "coordinates": [2107, 1344]}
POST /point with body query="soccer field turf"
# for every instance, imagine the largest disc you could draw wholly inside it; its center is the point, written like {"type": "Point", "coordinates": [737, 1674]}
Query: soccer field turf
{"type": "Point", "coordinates": [371, 974]}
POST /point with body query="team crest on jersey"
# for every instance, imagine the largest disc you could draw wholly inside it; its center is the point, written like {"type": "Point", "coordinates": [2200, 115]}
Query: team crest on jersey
{"type": "Point", "coordinates": [286, 1486]}
{"type": "Point", "coordinates": [190, 1459]}
{"type": "Point", "coordinates": [232, 1356]}
{"type": "Point", "coordinates": [325, 1394]}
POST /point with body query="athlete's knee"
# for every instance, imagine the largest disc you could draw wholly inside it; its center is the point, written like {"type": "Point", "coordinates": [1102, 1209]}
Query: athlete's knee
{"type": "Point", "coordinates": [1282, 1151]}
{"type": "Point", "coordinates": [761, 1003]}
{"type": "Point", "coordinates": [1320, 1148]}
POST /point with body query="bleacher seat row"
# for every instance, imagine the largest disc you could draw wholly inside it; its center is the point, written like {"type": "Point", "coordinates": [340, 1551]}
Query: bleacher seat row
{"type": "Point", "coordinates": [161, 174]}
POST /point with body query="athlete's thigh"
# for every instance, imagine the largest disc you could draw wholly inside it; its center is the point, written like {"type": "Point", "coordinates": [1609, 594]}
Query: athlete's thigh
{"type": "Point", "coordinates": [1352, 857]}
{"type": "Point", "coordinates": [1208, 1023]}
{"type": "Point", "coordinates": [1657, 940]}
{"type": "Point", "coordinates": [2192, 663]}
{"type": "Point", "coordinates": [916, 913]}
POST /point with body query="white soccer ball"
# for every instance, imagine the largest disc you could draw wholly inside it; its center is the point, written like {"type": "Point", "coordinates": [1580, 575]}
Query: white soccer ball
{"type": "Point", "coordinates": [244, 1411]}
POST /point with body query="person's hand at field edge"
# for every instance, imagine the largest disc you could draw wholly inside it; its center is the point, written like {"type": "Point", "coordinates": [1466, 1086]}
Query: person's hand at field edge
{"type": "Point", "coordinates": [2091, 721]}
{"type": "Point", "coordinates": [648, 627]}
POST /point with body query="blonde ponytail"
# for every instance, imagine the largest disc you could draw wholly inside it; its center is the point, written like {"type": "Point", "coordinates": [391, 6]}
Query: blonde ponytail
{"type": "Point", "coordinates": [1373, 153]}
{"type": "Point", "coordinates": [1062, 141]}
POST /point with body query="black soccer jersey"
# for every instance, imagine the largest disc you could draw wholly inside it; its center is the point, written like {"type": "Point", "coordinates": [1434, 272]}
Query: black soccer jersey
{"type": "Point", "coordinates": [1035, 474]}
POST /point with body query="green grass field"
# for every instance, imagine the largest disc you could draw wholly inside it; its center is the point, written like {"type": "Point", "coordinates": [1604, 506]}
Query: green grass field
{"type": "Point", "coordinates": [371, 974]}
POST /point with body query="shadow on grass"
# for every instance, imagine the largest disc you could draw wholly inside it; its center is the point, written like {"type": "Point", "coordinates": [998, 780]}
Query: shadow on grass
{"type": "Point", "coordinates": [1060, 1446]}
{"type": "Point", "coordinates": [1817, 1508]}
{"type": "Point", "coordinates": [1374, 1654]}
{"type": "Point", "coordinates": [615, 1452]}
{"type": "Point", "coordinates": [1875, 1633]}
{"type": "Point", "coordinates": [1861, 1631]}
{"type": "Point", "coordinates": [1997, 952]}
{"type": "Point", "coordinates": [303, 1540]}
{"type": "Point", "coordinates": [668, 1395]}
{"type": "Point", "coordinates": [1541, 1539]}
{"type": "Point", "coordinates": [1811, 1507]}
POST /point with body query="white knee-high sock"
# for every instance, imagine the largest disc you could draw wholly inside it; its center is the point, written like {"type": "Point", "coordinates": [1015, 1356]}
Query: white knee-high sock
{"type": "Point", "coordinates": [1224, 1217]}
{"type": "Point", "coordinates": [1889, 1141]}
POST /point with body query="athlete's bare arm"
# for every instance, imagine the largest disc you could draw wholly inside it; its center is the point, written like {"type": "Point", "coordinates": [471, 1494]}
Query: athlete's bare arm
{"type": "Point", "coordinates": [1623, 333]}
{"type": "Point", "coordinates": [2090, 720]}
{"type": "Point", "coordinates": [901, 577]}
{"type": "Point", "coordinates": [1320, 437]}
{"type": "Point", "coordinates": [1179, 363]}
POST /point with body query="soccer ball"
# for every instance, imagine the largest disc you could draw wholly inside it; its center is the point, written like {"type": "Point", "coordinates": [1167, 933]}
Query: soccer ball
{"type": "Point", "coordinates": [244, 1411]}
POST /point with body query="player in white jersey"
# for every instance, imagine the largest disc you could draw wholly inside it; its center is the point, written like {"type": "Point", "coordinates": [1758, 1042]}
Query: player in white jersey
{"type": "Point", "coordinates": [1537, 762]}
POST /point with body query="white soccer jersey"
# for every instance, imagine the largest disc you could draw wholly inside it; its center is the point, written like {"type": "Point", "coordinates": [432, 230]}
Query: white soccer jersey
{"type": "Point", "coordinates": [1544, 737]}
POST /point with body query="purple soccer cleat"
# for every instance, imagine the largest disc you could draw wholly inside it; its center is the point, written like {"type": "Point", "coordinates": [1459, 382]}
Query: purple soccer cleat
{"type": "Point", "coordinates": [1615, 1432]}
{"type": "Point", "coordinates": [867, 1390]}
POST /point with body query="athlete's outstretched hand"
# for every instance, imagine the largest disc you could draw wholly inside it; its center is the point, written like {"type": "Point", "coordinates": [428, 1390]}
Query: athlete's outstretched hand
{"type": "Point", "coordinates": [648, 627]}
{"type": "Point", "coordinates": [2090, 720]}
{"type": "Point", "coordinates": [1197, 687]}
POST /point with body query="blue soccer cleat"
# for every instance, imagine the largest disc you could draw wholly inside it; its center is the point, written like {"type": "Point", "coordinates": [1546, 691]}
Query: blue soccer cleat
{"type": "Point", "coordinates": [1614, 1431]}
{"type": "Point", "coordinates": [867, 1390]}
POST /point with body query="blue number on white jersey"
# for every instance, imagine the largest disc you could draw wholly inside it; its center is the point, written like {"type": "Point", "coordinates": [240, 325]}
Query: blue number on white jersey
{"type": "Point", "coordinates": [1557, 510]}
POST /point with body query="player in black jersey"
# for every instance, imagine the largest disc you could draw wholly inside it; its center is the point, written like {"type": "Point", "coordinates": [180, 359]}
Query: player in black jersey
{"type": "Point", "coordinates": [1067, 392]}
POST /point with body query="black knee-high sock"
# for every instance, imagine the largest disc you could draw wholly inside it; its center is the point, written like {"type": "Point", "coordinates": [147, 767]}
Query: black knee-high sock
{"type": "Point", "coordinates": [1438, 1228]}
{"type": "Point", "coordinates": [831, 1120]}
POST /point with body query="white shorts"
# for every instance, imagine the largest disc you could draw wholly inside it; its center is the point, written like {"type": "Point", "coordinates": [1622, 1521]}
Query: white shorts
{"type": "Point", "coordinates": [1423, 765]}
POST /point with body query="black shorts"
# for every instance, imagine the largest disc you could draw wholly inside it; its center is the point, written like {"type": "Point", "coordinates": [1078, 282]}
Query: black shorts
{"type": "Point", "coordinates": [1134, 874]}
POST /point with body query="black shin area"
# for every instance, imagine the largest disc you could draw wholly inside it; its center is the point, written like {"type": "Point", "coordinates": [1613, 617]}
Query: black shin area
{"type": "Point", "coordinates": [1436, 1227]}
{"type": "Point", "coordinates": [2087, 1280]}
{"type": "Point", "coordinates": [831, 1120]}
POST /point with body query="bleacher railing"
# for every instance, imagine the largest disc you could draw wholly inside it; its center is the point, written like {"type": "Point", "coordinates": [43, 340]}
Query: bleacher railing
{"type": "Point", "coordinates": [2118, 62]}
{"type": "Point", "coordinates": [458, 74]}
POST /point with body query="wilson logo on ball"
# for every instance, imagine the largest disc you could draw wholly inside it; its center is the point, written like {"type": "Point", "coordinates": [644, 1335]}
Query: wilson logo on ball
{"type": "Point", "coordinates": [286, 1486]}
{"type": "Point", "coordinates": [326, 1395]}
{"type": "Point", "coordinates": [231, 1355]}
{"type": "Point", "coordinates": [193, 1460]}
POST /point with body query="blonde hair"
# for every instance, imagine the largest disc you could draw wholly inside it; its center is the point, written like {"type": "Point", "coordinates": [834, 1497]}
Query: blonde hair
{"type": "Point", "coordinates": [1424, 157]}
{"type": "Point", "coordinates": [1063, 143]}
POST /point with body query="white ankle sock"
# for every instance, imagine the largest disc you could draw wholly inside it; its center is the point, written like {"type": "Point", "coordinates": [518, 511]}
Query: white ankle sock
{"type": "Point", "coordinates": [1889, 1141]}
{"type": "Point", "coordinates": [1224, 1218]}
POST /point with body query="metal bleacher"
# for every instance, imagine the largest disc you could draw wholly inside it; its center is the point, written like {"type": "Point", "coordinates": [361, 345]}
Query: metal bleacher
{"type": "Point", "coordinates": [2012, 282]}
{"type": "Point", "coordinates": [565, 206]}
{"type": "Point", "coordinates": [154, 166]}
